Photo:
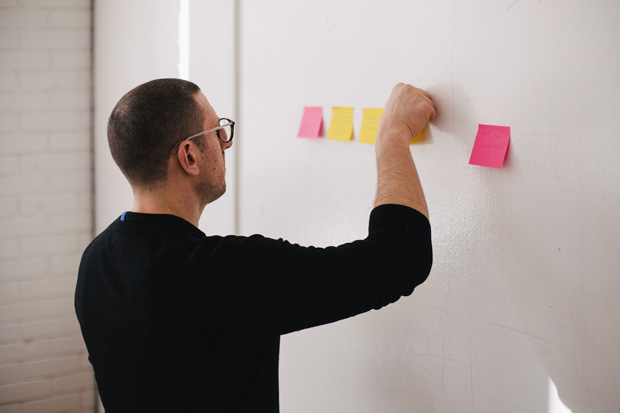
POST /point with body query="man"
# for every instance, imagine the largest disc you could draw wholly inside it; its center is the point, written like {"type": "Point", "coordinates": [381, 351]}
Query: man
{"type": "Point", "coordinates": [175, 320]}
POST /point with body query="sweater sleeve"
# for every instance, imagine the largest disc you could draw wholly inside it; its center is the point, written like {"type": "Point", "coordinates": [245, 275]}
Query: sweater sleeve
{"type": "Point", "coordinates": [290, 287]}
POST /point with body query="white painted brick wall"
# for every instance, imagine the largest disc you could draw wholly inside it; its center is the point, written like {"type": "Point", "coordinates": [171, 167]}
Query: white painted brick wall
{"type": "Point", "coordinates": [45, 203]}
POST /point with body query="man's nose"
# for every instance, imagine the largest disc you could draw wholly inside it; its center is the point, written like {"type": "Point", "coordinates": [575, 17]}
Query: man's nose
{"type": "Point", "coordinates": [226, 145]}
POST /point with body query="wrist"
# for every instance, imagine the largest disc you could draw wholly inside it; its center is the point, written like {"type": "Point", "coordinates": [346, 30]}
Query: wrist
{"type": "Point", "coordinates": [395, 135]}
{"type": "Point", "coordinates": [389, 143]}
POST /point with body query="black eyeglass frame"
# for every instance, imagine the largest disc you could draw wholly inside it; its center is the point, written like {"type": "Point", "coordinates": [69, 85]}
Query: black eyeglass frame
{"type": "Point", "coordinates": [217, 130]}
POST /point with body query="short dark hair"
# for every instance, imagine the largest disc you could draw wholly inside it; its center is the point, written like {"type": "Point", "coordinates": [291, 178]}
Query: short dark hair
{"type": "Point", "coordinates": [148, 122]}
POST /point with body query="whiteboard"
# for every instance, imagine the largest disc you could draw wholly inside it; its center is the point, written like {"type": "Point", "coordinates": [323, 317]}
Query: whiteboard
{"type": "Point", "coordinates": [520, 311]}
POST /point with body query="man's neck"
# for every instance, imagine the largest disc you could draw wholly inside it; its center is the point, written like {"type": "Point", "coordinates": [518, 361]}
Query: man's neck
{"type": "Point", "coordinates": [173, 202]}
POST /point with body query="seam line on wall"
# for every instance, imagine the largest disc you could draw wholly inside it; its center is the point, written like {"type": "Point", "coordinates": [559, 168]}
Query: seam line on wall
{"type": "Point", "coordinates": [237, 111]}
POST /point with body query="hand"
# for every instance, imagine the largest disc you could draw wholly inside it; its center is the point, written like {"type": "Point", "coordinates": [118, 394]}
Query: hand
{"type": "Point", "coordinates": [407, 111]}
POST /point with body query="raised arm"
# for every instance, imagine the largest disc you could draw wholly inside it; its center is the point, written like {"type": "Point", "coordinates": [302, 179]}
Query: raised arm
{"type": "Point", "coordinates": [407, 111]}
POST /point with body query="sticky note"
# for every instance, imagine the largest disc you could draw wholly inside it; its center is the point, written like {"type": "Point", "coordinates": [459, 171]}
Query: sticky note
{"type": "Point", "coordinates": [490, 146]}
{"type": "Point", "coordinates": [370, 125]}
{"type": "Point", "coordinates": [341, 126]}
{"type": "Point", "coordinates": [311, 122]}
{"type": "Point", "coordinates": [420, 137]}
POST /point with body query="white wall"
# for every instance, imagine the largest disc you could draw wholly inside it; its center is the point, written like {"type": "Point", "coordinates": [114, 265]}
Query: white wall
{"type": "Point", "coordinates": [45, 209]}
{"type": "Point", "coordinates": [525, 291]}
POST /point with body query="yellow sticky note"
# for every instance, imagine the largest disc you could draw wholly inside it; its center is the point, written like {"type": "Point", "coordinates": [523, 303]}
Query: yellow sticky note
{"type": "Point", "coordinates": [370, 125]}
{"type": "Point", "coordinates": [341, 126]}
{"type": "Point", "coordinates": [419, 138]}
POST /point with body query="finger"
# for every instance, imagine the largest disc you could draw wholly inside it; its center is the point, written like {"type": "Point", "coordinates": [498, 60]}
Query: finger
{"type": "Point", "coordinates": [425, 93]}
{"type": "Point", "coordinates": [433, 114]}
{"type": "Point", "coordinates": [430, 107]}
{"type": "Point", "coordinates": [398, 87]}
{"type": "Point", "coordinates": [431, 110]}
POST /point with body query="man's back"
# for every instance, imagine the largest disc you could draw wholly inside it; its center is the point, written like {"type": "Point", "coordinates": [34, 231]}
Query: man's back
{"type": "Point", "coordinates": [149, 299]}
{"type": "Point", "coordinates": [178, 320]}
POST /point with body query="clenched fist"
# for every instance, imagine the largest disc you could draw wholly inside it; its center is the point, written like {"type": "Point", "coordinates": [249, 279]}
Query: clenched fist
{"type": "Point", "coordinates": [407, 111]}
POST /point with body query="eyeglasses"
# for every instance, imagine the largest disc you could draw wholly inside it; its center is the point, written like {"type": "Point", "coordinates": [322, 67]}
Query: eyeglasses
{"type": "Point", "coordinates": [225, 132]}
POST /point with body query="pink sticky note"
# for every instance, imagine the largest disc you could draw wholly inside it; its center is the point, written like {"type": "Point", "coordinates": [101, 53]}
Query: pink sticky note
{"type": "Point", "coordinates": [490, 146]}
{"type": "Point", "coordinates": [311, 123]}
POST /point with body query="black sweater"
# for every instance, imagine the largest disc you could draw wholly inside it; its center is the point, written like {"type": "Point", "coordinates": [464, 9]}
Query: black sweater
{"type": "Point", "coordinates": [175, 320]}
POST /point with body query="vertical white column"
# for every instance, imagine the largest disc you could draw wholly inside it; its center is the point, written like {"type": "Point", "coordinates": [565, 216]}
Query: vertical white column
{"type": "Point", "coordinates": [184, 28]}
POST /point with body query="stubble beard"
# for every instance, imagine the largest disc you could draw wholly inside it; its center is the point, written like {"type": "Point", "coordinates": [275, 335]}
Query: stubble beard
{"type": "Point", "coordinates": [210, 191]}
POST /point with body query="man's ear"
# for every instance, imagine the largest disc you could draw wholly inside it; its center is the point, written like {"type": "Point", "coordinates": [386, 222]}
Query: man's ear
{"type": "Point", "coordinates": [188, 158]}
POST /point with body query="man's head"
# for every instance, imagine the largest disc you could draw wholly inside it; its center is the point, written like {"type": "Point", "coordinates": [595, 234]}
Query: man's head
{"type": "Point", "coordinates": [147, 123]}
{"type": "Point", "coordinates": [147, 134]}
